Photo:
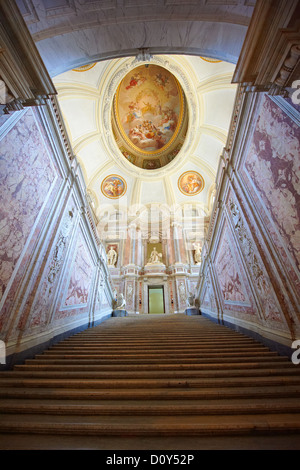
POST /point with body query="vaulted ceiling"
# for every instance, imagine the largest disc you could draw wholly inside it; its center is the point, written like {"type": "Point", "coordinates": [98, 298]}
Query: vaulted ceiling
{"type": "Point", "coordinates": [71, 33]}
{"type": "Point", "coordinates": [86, 99]}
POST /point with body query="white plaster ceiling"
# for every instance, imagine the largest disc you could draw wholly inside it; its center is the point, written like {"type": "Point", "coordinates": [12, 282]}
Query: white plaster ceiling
{"type": "Point", "coordinates": [82, 98]}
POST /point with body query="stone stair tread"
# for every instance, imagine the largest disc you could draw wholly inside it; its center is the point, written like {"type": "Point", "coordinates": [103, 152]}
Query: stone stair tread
{"type": "Point", "coordinates": [151, 383]}
{"type": "Point", "coordinates": [149, 408]}
{"type": "Point", "coordinates": [122, 361]}
{"type": "Point", "coordinates": [180, 377]}
{"type": "Point", "coordinates": [154, 394]}
{"type": "Point", "coordinates": [163, 374]}
{"type": "Point", "coordinates": [155, 367]}
{"type": "Point", "coordinates": [150, 402]}
{"type": "Point", "coordinates": [155, 425]}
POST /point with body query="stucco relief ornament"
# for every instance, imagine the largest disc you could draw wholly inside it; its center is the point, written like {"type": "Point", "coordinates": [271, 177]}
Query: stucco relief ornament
{"type": "Point", "coordinates": [59, 248]}
{"type": "Point", "coordinates": [247, 247]}
{"type": "Point", "coordinates": [129, 293]}
{"type": "Point", "coordinates": [269, 306]}
{"type": "Point", "coordinates": [182, 293]}
{"type": "Point", "coordinates": [41, 303]}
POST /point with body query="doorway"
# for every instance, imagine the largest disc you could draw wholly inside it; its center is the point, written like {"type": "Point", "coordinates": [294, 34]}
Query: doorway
{"type": "Point", "coordinates": [156, 303]}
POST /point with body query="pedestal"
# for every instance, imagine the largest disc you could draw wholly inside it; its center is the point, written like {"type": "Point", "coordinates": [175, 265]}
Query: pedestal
{"type": "Point", "coordinates": [192, 311]}
{"type": "Point", "coordinates": [119, 313]}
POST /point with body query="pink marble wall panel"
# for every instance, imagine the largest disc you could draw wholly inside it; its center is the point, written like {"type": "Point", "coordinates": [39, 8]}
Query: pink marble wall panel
{"type": "Point", "coordinates": [81, 277]}
{"type": "Point", "coordinates": [229, 277]}
{"type": "Point", "coordinates": [272, 169]}
{"type": "Point", "coordinates": [48, 282]}
{"type": "Point", "coordinates": [28, 183]}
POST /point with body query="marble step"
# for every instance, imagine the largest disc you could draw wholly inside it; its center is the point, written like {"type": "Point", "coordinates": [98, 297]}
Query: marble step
{"type": "Point", "coordinates": [160, 345]}
{"type": "Point", "coordinates": [150, 383]}
{"type": "Point", "coordinates": [144, 407]}
{"type": "Point", "coordinates": [152, 353]}
{"type": "Point", "coordinates": [157, 349]}
{"type": "Point", "coordinates": [157, 361]}
{"type": "Point", "coordinates": [111, 355]}
{"type": "Point", "coordinates": [33, 366]}
{"type": "Point", "coordinates": [213, 393]}
{"type": "Point", "coordinates": [148, 407]}
{"type": "Point", "coordinates": [127, 374]}
{"type": "Point", "coordinates": [188, 425]}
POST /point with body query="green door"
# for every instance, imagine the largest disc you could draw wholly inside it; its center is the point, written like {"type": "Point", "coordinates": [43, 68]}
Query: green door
{"type": "Point", "coordinates": [156, 299]}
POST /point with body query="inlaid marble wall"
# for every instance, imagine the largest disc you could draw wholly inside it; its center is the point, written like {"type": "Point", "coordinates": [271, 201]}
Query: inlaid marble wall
{"type": "Point", "coordinates": [230, 273]}
{"type": "Point", "coordinates": [52, 273]}
{"type": "Point", "coordinates": [252, 260]}
{"type": "Point", "coordinates": [28, 182]}
{"type": "Point", "coordinates": [271, 172]}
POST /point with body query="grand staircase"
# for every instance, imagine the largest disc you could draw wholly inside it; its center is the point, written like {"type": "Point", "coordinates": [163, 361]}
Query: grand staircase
{"type": "Point", "coordinates": [152, 382]}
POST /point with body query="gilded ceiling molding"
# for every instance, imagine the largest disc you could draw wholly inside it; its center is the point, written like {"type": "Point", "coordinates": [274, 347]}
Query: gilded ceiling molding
{"type": "Point", "coordinates": [84, 68]}
{"type": "Point", "coordinates": [109, 89]}
{"type": "Point", "coordinates": [213, 61]}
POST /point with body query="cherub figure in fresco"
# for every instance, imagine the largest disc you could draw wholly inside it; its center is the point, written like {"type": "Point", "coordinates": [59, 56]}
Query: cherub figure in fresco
{"type": "Point", "coordinates": [136, 80]}
{"type": "Point", "coordinates": [192, 184]}
{"type": "Point", "coordinates": [114, 188]}
{"type": "Point", "coordinates": [134, 112]}
{"type": "Point", "coordinates": [161, 80]}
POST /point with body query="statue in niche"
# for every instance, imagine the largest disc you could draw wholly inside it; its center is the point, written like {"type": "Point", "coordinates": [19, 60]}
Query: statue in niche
{"type": "Point", "coordinates": [120, 303]}
{"type": "Point", "coordinates": [155, 257]}
{"type": "Point", "coordinates": [191, 300]}
{"type": "Point", "coordinates": [197, 255]}
{"type": "Point", "coordinates": [111, 256]}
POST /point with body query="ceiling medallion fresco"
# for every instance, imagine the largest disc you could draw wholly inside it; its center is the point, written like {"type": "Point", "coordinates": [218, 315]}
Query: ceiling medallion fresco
{"type": "Point", "coordinates": [190, 183]}
{"type": "Point", "coordinates": [149, 116]}
{"type": "Point", "coordinates": [113, 186]}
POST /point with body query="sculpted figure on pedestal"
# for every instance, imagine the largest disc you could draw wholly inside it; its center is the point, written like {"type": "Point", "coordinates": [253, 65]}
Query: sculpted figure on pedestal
{"type": "Point", "coordinates": [197, 255]}
{"type": "Point", "coordinates": [111, 257]}
{"type": "Point", "coordinates": [155, 257]}
{"type": "Point", "coordinates": [191, 300]}
{"type": "Point", "coordinates": [120, 303]}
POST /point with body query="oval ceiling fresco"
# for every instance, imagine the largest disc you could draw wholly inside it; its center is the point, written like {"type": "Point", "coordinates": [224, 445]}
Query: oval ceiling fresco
{"type": "Point", "coordinates": [149, 115]}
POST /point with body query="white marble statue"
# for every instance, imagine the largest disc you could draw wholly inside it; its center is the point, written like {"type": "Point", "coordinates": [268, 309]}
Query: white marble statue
{"type": "Point", "coordinates": [191, 300]}
{"type": "Point", "coordinates": [197, 255]}
{"type": "Point", "coordinates": [155, 257]}
{"type": "Point", "coordinates": [111, 257]}
{"type": "Point", "coordinates": [120, 303]}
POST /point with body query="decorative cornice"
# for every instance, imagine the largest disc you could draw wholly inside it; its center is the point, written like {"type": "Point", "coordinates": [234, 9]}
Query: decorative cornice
{"type": "Point", "coordinates": [21, 67]}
